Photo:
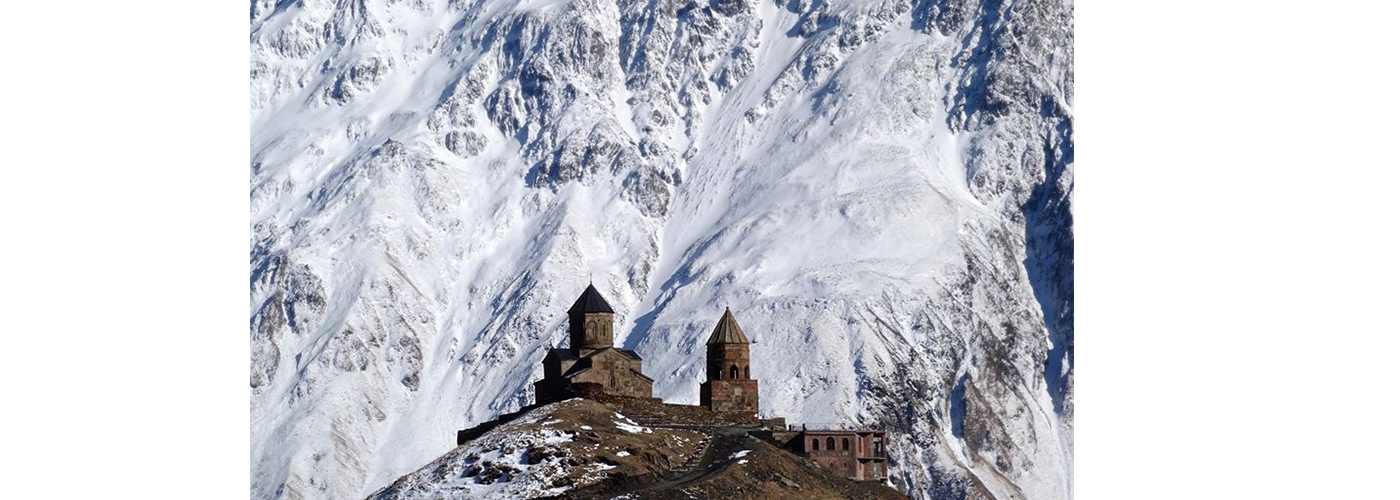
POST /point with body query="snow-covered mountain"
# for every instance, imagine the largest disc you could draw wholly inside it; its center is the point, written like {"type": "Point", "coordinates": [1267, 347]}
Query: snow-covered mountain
{"type": "Point", "coordinates": [880, 190]}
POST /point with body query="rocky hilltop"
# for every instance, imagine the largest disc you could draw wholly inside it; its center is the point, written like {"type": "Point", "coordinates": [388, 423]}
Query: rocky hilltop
{"type": "Point", "coordinates": [881, 188]}
{"type": "Point", "coordinates": [583, 449]}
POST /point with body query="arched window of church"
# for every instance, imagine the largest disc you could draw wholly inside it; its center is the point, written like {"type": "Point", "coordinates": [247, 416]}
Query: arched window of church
{"type": "Point", "coordinates": [816, 445]}
{"type": "Point", "coordinates": [590, 332]}
{"type": "Point", "coordinates": [733, 371]}
{"type": "Point", "coordinates": [746, 372]}
{"type": "Point", "coordinates": [830, 443]}
{"type": "Point", "coordinates": [845, 444]}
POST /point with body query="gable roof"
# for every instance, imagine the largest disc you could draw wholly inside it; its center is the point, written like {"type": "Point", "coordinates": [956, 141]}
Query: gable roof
{"type": "Point", "coordinates": [586, 362]}
{"type": "Point", "coordinates": [590, 302]}
{"type": "Point", "coordinates": [728, 331]}
{"type": "Point", "coordinates": [561, 353]}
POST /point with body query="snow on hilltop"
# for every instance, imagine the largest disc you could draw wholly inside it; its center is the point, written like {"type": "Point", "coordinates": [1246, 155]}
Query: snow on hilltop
{"type": "Point", "coordinates": [880, 190]}
{"type": "Point", "coordinates": [545, 452]}
{"type": "Point", "coordinates": [583, 449]}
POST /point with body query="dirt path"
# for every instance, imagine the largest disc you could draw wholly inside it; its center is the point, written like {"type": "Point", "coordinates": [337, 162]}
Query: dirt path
{"type": "Point", "coordinates": [724, 443]}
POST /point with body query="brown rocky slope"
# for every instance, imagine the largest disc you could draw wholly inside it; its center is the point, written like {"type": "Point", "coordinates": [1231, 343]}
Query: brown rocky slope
{"type": "Point", "coordinates": [583, 449]}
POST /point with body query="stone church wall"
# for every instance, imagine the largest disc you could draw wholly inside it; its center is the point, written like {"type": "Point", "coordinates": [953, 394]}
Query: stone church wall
{"type": "Point", "coordinates": [730, 395]}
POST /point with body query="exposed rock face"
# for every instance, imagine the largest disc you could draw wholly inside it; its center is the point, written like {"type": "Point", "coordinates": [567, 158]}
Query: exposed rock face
{"type": "Point", "coordinates": [880, 185]}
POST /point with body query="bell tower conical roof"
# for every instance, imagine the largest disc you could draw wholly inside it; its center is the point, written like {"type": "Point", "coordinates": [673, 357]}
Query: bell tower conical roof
{"type": "Point", "coordinates": [590, 302]}
{"type": "Point", "coordinates": [728, 331]}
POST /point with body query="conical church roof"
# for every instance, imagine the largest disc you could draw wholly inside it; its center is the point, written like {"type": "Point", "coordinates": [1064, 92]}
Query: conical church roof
{"type": "Point", "coordinates": [590, 302]}
{"type": "Point", "coordinates": [728, 331]}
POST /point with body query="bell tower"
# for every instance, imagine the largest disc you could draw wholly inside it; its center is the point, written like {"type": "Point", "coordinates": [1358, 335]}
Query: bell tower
{"type": "Point", "coordinates": [590, 322]}
{"type": "Point", "coordinates": [728, 386]}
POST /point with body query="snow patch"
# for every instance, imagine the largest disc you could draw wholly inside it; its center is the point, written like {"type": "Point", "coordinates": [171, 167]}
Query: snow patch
{"type": "Point", "coordinates": [628, 425]}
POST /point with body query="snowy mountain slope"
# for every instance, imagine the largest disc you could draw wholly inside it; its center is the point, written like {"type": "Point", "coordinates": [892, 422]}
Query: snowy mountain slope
{"type": "Point", "coordinates": [877, 185]}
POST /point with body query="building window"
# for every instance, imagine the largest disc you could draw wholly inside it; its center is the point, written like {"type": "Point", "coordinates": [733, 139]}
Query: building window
{"type": "Point", "coordinates": [733, 371]}
{"type": "Point", "coordinates": [845, 444]}
{"type": "Point", "coordinates": [816, 444]}
{"type": "Point", "coordinates": [878, 448]}
{"type": "Point", "coordinates": [746, 373]}
{"type": "Point", "coordinates": [830, 443]}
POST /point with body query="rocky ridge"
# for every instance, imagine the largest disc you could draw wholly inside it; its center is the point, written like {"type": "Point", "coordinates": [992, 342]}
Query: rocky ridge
{"type": "Point", "coordinates": [582, 449]}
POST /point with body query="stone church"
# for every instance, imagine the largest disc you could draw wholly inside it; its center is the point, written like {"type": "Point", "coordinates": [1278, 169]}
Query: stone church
{"type": "Point", "coordinates": [727, 385]}
{"type": "Point", "coordinates": [592, 368]}
{"type": "Point", "coordinates": [591, 364]}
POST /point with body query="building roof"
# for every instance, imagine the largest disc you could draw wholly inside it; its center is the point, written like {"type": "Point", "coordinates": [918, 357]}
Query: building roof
{"type": "Point", "coordinates": [580, 371]}
{"type": "Point", "coordinates": [562, 353]}
{"type": "Point", "coordinates": [590, 302]}
{"type": "Point", "coordinates": [728, 331]}
{"type": "Point", "coordinates": [586, 362]}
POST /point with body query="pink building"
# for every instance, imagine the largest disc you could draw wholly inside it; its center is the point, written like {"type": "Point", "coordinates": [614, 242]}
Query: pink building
{"type": "Point", "coordinates": [856, 454]}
